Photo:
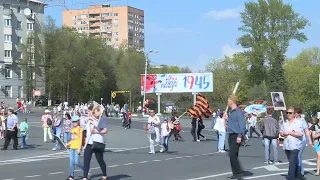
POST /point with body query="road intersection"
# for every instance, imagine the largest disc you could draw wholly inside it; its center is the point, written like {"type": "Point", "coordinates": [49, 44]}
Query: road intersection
{"type": "Point", "coordinates": [127, 157]}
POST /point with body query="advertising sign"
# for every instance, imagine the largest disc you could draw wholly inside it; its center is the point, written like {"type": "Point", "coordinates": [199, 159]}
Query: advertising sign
{"type": "Point", "coordinates": [178, 83]}
{"type": "Point", "coordinates": [36, 93]}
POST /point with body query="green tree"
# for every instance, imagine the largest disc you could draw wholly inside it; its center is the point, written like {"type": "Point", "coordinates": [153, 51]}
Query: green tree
{"type": "Point", "coordinates": [302, 74]}
{"type": "Point", "coordinates": [269, 26]}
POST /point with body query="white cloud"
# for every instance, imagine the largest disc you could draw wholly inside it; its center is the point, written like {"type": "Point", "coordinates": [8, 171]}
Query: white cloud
{"type": "Point", "coordinates": [201, 62]}
{"type": "Point", "coordinates": [156, 29]}
{"type": "Point", "coordinates": [223, 14]}
{"type": "Point", "coordinates": [227, 50]}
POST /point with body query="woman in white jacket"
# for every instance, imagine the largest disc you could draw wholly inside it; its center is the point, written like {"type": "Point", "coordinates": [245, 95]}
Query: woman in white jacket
{"type": "Point", "coordinates": [220, 126]}
{"type": "Point", "coordinates": [165, 131]}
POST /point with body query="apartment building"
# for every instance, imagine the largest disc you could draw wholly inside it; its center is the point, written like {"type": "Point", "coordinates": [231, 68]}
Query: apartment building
{"type": "Point", "coordinates": [120, 25]}
{"type": "Point", "coordinates": [19, 19]}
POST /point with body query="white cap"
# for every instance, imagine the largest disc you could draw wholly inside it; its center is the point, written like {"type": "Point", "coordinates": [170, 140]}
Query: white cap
{"type": "Point", "coordinates": [47, 111]}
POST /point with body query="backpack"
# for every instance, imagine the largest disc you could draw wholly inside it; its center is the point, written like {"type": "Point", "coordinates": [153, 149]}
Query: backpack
{"type": "Point", "coordinates": [49, 122]}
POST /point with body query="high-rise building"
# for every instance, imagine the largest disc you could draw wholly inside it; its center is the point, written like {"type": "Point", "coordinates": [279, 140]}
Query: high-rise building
{"type": "Point", "coordinates": [120, 25]}
{"type": "Point", "coordinates": [20, 21]}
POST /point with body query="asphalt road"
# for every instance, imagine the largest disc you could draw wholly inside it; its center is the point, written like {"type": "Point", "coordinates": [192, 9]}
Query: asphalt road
{"type": "Point", "coordinates": [128, 159]}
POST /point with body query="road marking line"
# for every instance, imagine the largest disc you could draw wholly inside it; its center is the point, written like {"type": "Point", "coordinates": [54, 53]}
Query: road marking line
{"type": "Point", "coordinates": [32, 176]}
{"type": "Point", "coordinates": [9, 179]}
{"type": "Point", "coordinates": [227, 173]}
{"type": "Point", "coordinates": [142, 162]}
{"type": "Point", "coordinates": [266, 175]}
{"type": "Point", "coordinates": [168, 159]}
{"type": "Point", "coordinates": [127, 164]}
{"type": "Point", "coordinates": [109, 166]}
{"type": "Point", "coordinates": [156, 160]}
{"type": "Point", "coordinates": [56, 173]}
{"type": "Point", "coordinates": [178, 157]}
{"type": "Point", "coordinates": [188, 156]}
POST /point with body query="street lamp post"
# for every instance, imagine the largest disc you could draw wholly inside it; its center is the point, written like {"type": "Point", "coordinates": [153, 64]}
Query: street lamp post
{"type": "Point", "coordinates": [145, 77]}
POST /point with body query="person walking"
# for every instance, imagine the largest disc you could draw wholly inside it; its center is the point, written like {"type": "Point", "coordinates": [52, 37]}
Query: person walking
{"type": "Point", "coordinates": [95, 142]}
{"type": "Point", "coordinates": [46, 123]}
{"type": "Point", "coordinates": [292, 131]}
{"type": "Point", "coordinates": [270, 127]}
{"type": "Point", "coordinates": [154, 131]}
{"type": "Point", "coordinates": [315, 128]}
{"type": "Point", "coordinates": [235, 128]}
{"type": "Point", "coordinates": [252, 124]}
{"type": "Point", "coordinates": [58, 126]}
{"type": "Point", "coordinates": [220, 128]}
{"type": "Point", "coordinates": [11, 130]}
{"type": "Point", "coordinates": [306, 139]}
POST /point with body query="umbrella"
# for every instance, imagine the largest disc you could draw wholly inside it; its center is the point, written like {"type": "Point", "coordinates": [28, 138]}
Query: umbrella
{"type": "Point", "coordinates": [256, 108]}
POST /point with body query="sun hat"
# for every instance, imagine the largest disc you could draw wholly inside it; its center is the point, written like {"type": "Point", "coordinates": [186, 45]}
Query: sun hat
{"type": "Point", "coordinates": [75, 118]}
{"type": "Point", "coordinates": [47, 111]}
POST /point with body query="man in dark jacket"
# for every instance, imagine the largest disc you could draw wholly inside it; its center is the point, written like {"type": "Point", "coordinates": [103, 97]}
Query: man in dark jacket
{"type": "Point", "coordinates": [270, 129]}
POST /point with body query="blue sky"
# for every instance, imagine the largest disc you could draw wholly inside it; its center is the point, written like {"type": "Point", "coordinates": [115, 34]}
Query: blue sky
{"type": "Point", "coordinates": [191, 34]}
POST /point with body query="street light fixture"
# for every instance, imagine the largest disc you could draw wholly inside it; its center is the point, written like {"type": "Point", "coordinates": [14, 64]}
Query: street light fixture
{"type": "Point", "coordinates": [145, 75]}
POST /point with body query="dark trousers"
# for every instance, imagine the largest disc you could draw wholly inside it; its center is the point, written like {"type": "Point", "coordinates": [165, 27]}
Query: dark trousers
{"type": "Point", "coordinates": [294, 170]}
{"type": "Point", "coordinates": [193, 132]}
{"type": "Point", "coordinates": [234, 153]}
{"type": "Point", "coordinates": [124, 116]}
{"type": "Point", "coordinates": [87, 159]}
{"type": "Point", "coordinates": [253, 129]}
{"type": "Point", "coordinates": [11, 135]}
{"type": "Point", "coordinates": [129, 124]}
{"type": "Point", "coordinates": [199, 133]}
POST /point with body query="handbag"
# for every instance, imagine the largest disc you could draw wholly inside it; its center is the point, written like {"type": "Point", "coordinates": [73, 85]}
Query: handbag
{"type": "Point", "coordinates": [152, 129]}
{"type": "Point", "coordinates": [178, 127]}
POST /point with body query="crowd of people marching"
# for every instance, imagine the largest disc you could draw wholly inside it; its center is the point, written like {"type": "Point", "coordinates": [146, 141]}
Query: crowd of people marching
{"type": "Point", "coordinates": [82, 130]}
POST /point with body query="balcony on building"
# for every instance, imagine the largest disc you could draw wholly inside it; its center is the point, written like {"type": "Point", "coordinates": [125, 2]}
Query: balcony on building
{"type": "Point", "coordinates": [8, 60]}
{"type": "Point", "coordinates": [94, 16]}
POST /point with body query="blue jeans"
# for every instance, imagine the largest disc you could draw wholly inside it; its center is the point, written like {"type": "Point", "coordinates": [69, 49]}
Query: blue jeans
{"type": "Point", "coordinates": [274, 143]}
{"type": "Point", "coordinates": [165, 142]}
{"type": "Point", "coordinates": [24, 144]}
{"type": "Point", "coordinates": [300, 164]}
{"type": "Point", "coordinates": [58, 134]}
{"type": "Point", "coordinates": [74, 160]}
{"type": "Point", "coordinates": [66, 137]}
{"type": "Point", "coordinates": [221, 140]}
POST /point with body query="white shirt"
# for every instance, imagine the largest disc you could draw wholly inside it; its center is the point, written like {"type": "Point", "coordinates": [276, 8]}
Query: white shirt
{"type": "Point", "coordinates": [156, 122]}
{"type": "Point", "coordinates": [164, 129]}
{"type": "Point", "coordinates": [219, 126]}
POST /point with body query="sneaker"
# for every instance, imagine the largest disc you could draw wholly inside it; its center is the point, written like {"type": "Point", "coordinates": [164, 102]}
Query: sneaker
{"type": "Point", "coordinates": [277, 162]}
{"type": "Point", "coordinates": [222, 151]}
{"type": "Point", "coordinates": [89, 173]}
{"type": "Point", "coordinates": [151, 152]}
{"type": "Point", "coordinates": [198, 140]}
{"type": "Point", "coordinates": [161, 150]}
{"type": "Point", "coordinates": [268, 162]}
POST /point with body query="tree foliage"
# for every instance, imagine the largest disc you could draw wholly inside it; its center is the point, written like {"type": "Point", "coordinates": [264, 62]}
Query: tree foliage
{"type": "Point", "coordinates": [269, 26]}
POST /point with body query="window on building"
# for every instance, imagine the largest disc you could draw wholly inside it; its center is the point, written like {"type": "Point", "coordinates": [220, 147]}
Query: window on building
{"type": "Point", "coordinates": [7, 38]}
{"type": "Point", "coordinates": [84, 16]}
{"type": "Point", "coordinates": [116, 39]}
{"type": "Point", "coordinates": [7, 53]}
{"type": "Point", "coordinates": [8, 91]}
{"type": "Point", "coordinates": [116, 21]}
{"type": "Point", "coordinates": [20, 91]}
{"type": "Point", "coordinates": [116, 14]}
{"type": "Point", "coordinates": [31, 41]}
{"type": "Point", "coordinates": [19, 40]}
{"type": "Point", "coordinates": [7, 22]}
{"type": "Point", "coordinates": [116, 26]}
{"type": "Point", "coordinates": [20, 74]}
{"type": "Point", "coordinates": [6, 6]}
{"type": "Point", "coordinates": [20, 55]}
{"type": "Point", "coordinates": [32, 56]}
{"type": "Point", "coordinates": [33, 75]}
{"type": "Point", "coordinates": [30, 26]}
{"type": "Point", "coordinates": [74, 17]}
{"type": "Point", "coordinates": [116, 33]}
{"type": "Point", "coordinates": [19, 25]}
{"type": "Point", "coordinates": [74, 23]}
{"type": "Point", "coordinates": [8, 73]}
{"type": "Point", "coordinates": [19, 10]}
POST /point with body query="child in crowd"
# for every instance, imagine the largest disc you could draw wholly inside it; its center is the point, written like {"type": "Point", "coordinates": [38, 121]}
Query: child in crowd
{"type": "Point", "coordinates": [165, 131]}
{"type": "Point", "coordinates": [23, 127]}
{"type": "Point", "coordinates": [129, 119]}
{"type": "Point", "coordinates": [75, 145]}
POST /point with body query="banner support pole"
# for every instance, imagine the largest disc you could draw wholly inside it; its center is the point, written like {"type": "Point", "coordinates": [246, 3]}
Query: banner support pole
{"type": "Point", "coordinates": [159, 104]}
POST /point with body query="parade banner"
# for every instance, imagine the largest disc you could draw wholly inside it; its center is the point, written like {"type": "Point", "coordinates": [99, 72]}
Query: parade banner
{"type": "Point", "coordinates": [178, 83]}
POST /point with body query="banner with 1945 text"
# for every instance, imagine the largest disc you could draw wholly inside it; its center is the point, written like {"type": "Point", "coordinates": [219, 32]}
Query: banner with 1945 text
{"type": "Point", "coordinates": [178, 83]}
